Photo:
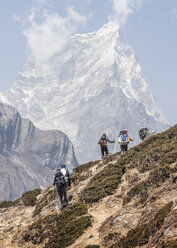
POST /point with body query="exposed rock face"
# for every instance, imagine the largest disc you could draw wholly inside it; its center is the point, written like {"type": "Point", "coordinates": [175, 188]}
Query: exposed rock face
{"type": "Point", "coordinates": [94, 85]}
{"type": "Point", "coordinates": [29, 156]}
{"type": "Point", "coordinates": [130, 201]}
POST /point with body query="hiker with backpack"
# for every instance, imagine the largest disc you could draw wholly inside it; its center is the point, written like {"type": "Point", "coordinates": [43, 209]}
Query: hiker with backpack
{"type": "Point", "coordinates": [61, 182]}
{"type": "Point", "coordinates": [143, 133]}
{"type": "Point", "coordinates": [104, 145]}
{"type": "Point", "coordinates": [124, 140]}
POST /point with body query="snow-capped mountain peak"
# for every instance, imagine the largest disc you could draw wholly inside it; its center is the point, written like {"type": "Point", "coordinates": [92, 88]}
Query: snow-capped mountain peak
{"type": "Point", "coordinates": [94, 85]}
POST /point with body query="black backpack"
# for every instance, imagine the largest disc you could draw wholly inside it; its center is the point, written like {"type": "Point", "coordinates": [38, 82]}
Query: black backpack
{"type": "Point", "coordinates": [60, 180]}
{"type": "Point", "coordinates": [143, 133]}
{"type": "Point", "coordinates": [102, 142]}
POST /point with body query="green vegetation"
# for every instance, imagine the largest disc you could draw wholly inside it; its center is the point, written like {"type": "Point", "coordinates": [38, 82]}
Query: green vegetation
{"type": "Point", "coordinates": [169, 244]}
{"type": "Point", "coordinates": [155, 154]}
{"type": "Point", "coordinates": [157, 150]}
{"type": "Point", "coordinates": [82, 172]}
{"type": "Point", "coordinates": [103, 183]}
{"type": "Point", "coordinates": [85, 167]}
{"type": "Point", "coordinates": [141, 234]}
{"type": "Point", "coordinates": [78, 177]}
{"type": "Point", "coordinates": [111, 157]}
{"type": "Point", "coordinates": [60, 230]}
{"type": "Point", "coordinates": [28, 198]}
{"type": "Point", "coordinates": [156, 177]}
{"type": "Point", "coordinates": [6, 204]}
{"type": "Point", "coordinates": [49, 196]}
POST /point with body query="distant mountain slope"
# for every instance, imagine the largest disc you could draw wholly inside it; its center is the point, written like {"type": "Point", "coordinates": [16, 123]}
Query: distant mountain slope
{"type": "Point", "coordinates": [124, 201]}
{"type": "Point", "coordinates": [94, 85]}
{"type": "Point", "coordinates": [29, 156]}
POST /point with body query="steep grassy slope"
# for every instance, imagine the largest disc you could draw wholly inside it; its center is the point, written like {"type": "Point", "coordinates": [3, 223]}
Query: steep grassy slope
{"type": "Point", "coordinates": [156, 154]}
{"type": "Point", "coordinates": [124, 201]}
{"type": "Point", "coordinates": [60, 230]}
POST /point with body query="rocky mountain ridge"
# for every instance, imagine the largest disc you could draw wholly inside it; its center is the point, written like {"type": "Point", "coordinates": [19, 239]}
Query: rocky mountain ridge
{"type": "Point", "coordinates": [94, 85]}
{"type": "Point", "coordinates": [29, 156]}
{"type": "Point", "coordinates": [124, 201]}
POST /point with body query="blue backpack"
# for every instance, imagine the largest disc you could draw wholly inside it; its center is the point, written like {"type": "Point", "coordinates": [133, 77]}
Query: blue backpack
{"type": "Point", "coordinates": [123, 137]}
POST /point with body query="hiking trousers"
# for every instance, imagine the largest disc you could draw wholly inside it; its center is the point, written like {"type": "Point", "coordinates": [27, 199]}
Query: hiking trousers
{"type": "Point", "coordinates": [123, 148]}
{"type": "Point", "coordinates": [61, 195]}
{"type": "Point", "coordinates": [104, 149]}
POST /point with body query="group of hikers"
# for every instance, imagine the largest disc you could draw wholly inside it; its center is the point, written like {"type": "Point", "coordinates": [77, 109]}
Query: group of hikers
{"type": "Point", "coordinates": [123, 140]}
{"type": "Point", "coordinates": [62, 176]}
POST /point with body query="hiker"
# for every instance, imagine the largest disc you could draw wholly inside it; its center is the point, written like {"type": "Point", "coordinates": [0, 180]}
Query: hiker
{"type": "Point", "coordinates": [61, 182]}
{"type": "Point", "coordinates": [143, 133]}
{"type": "Point", "coordinates": [104, 145]}
{"type": "Point", "coordinates": [124, 140]}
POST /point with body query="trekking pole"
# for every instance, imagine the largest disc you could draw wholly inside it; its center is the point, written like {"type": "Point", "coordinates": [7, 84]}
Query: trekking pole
{"type": "Point", "coordinates": [98, 148]}
{"type": "Point", "coordinates": [113, 148]}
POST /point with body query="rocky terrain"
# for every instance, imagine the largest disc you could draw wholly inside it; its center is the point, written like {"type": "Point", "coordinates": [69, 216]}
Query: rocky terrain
{"type": "Point", "coordinates": [127, 201]}
{"type": "Point", "coordinates": [29, 156]}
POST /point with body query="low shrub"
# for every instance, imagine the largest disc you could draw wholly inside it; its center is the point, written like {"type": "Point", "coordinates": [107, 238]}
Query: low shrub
{"type": "Point", "coordinates": [140, 235]}
{"type": "Point", "coordinates": [60, 230]}
{"type": "Point", "coordinates": [156, 177]}
{"type": "Point", "coordinates": [169, 244]}
{"type": "Point", "coordinates": [44, 201]}
{"type": "Point", "coordinates": [29, 198]}
{"type": "Point", "coordinates": [103, 183]}
{"type": "Point", "coordinates": [6, 204]}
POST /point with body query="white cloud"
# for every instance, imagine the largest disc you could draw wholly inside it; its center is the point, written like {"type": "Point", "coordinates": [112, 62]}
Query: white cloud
{"type": "Point", "coordinates": [173, 13]}
{"type": "Point", "coordinates": [122, 9]}
{"type": "Point", "coordinates": [46, 32]}
{"type": "Point", "coordinates": [76, 17]}
{"type": "Point", "coordinates": [16, 18]}
{"type": "Point", "coordinates": [42, 1]}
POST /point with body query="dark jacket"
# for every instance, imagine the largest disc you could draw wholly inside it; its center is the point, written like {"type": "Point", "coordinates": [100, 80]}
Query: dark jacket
{"type": "Point", "coordinates": [103, 141]}
{"type": "Point", "coordinates": [65, 173]}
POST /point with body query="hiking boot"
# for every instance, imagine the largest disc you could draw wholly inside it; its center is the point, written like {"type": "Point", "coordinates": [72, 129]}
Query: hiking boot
{"type": "Point", "coordinates": [65, 203]}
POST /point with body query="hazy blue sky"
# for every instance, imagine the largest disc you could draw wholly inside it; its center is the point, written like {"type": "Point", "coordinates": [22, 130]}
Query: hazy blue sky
{"type": "Point", "coordinates": [31, 29]}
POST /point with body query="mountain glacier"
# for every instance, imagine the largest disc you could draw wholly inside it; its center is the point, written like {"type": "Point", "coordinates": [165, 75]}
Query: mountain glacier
{"type": "Point", "coordinates": [93, 85]}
